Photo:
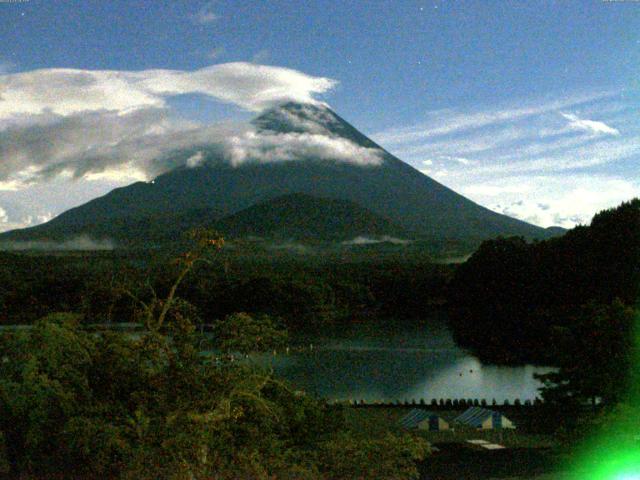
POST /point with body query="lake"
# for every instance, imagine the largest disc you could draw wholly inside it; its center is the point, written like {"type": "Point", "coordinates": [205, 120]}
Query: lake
{"type": "Point", "coordinates": [418, 361]}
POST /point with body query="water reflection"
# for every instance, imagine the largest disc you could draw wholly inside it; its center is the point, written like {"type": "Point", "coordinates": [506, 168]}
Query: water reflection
{"type": "Point", "coordinates": [416, 362]}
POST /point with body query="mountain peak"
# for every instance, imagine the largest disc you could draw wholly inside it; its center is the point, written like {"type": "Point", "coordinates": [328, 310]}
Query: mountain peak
{"type": "Point", "coordinates": [297, 117]}
{"type": "Point", "coordinates": [310, 118]}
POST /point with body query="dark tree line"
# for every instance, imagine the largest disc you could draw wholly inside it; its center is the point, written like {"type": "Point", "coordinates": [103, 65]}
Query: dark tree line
{"type": "Point", "coordinates": [510, 297]}
{"type": "Point", "coordinates": [567, 301]}
{"type": "Point", "coordinates": [301, 293]}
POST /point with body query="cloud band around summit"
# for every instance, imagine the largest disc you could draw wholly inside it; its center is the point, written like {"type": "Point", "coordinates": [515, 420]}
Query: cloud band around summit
{"type": "Point", "coordinates": [67, 91]}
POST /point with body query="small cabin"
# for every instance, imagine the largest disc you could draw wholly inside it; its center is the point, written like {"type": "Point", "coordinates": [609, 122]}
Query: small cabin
{"type": "Point", "coordinates": [423, 420]}
{"type": "Point", "coordinates": [483, 419]}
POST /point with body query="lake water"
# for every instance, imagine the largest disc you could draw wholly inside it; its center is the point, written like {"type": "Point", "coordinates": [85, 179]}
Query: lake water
{"type": "Point", "coordinates": [377, 363]}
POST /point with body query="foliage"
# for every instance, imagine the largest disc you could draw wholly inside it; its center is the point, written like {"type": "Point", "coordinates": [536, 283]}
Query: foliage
{"type": "Point", "coordinates": [596, 357]}
{"type": "Point", "coordinates": [241, 332]}
{"type": "Point", "coordinates": [152, 407]}
{"type": "Point", "coordinates": [303, 293]}
{"type": "Point", "coordinates": [386, 457]}
{"type": "Point", "coordinates": [510, 297]}
{"type": "Point", "coordinates": [154, 312]}
{"type": "Point", "coordinates": [624, 415]}
{"type": "Point", "coordinates": [44, 380]}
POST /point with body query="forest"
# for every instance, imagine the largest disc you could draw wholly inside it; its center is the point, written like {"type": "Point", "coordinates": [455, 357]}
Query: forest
{"type": "Point", "coordinates": [302, 292]}
{"type": "Point", "coordinates": [512, 300]}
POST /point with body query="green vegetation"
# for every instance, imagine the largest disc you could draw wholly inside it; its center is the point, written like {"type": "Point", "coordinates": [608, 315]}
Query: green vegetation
{"type": "Point", "coordinates": [241, 332]}
{"type": "Point", "coordinates": [595, 358]}
{"type": "Point", "coordinates": [93, 404]}
{"type": "Point", "coordinates": [76, 397]}
{"type": "Point", "coordinates": [304, 292]}
{"type": "Point", "coordinates": [304, 217]}
{"type": "Point", "coordinates": [510, 298]}
{"type": "Point", "coordinates": [567, 301]}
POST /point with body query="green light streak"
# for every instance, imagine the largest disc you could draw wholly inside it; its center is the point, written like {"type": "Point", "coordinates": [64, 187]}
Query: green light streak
{"type": "Point", "coordinates": [615, 463]}
{"type": "Point", "coordinates": [614, 452]}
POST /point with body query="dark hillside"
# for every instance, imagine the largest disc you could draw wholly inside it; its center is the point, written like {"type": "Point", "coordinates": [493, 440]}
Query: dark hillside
{"type": "Point", "coordinates": [508, 298]}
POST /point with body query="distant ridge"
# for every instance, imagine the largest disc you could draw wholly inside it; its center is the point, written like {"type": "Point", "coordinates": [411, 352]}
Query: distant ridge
{"type": "Point", "coordinates": [304, 217]}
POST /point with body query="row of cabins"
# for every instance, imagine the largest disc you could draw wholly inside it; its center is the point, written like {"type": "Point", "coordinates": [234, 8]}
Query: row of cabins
{"type": "Point", "coordinates": [474, 417]}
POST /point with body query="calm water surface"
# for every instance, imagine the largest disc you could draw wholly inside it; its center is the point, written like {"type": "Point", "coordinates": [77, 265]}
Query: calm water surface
{"type": "Point", "coordinates": [376, 363]}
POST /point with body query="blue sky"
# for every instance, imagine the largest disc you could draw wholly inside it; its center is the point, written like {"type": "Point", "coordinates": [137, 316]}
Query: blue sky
{"type": "Point", "coordinates": [529, 108]}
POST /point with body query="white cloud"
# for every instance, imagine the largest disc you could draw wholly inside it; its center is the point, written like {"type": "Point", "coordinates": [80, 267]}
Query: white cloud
{"type": "Point", "coordinates": [591, 126]}
{"type": "Point", "coordinates": [276, 147]}
{"type": "Point", "coordinates": [78, 243]}
{"type": "Point", "coordinates": [144, 143]}
{"type": "Point", "coordinates": [537, 162]}
{"type": "Point", "coordinates": [582, 157]}
{"type": "Point", "coordinates": [549, 200]}
{"type": "Point", "coordinates": [466, 145]}
{"type": "Point", "coordinates": [10, 185]}
{"type": "Point", "coordinates": [362, 240]}
{"type": "Point", "coordinates": [37, 203]}
{"type": "Point", "coordinates": [6, 67]}
{"type": "Point", "coordinates": [493, 190]}
{"type": "Point", "coordinates": [82, 143]}
{"type": "Point", "coordinates": [116, 126]}
{"type": "Point", "coordinates": [206, 15]}
{"type": "Point", "coordinates": [195, 160]}
{"type": "Point", "coordinates": [460, 160]}
{"type": "Point", "coordinates": [7, 222]}
{"type": "Point", "coordinates": [448, 121]}
{"type": "Point", "coordinates": [125, 173]}
{"type": "Point", "coordinates": [67, 91]}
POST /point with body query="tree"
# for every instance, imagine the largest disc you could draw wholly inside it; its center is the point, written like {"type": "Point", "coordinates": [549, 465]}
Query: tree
{"type": "Point", "coordinates": [154, 312]}
{"type": "Point", "coordinates": [43, 382]}
{"type": "Point", "coordinates": [244, 333]}
{"type": "Point", "coordinates": [509, 297]}
{"type": "Point", "coordinates": [597, 360]}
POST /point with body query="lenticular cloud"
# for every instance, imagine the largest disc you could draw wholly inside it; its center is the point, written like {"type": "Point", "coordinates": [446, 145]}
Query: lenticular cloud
{"type": "Point", "coordinates": [68, 91]}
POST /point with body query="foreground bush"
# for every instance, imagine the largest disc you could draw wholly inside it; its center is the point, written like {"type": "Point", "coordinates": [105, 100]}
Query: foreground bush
{"type": "Point", "coordinates": [111, 405]}
{"type": "Point", "coordinates": [153, 406]}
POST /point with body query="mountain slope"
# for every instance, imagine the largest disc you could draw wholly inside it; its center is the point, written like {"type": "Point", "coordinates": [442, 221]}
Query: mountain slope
{"type": "Point", "coordinates": [299, 216]}
{"type": "Point", "coordinates": [392, 189]}
{"type": "Point", "coordinates": [289, 217]}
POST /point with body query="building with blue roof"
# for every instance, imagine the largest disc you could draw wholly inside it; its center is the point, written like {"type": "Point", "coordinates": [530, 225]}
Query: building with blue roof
{"type": "Point", "coordinates": [484, 419]}
{"type": "Point", "coordinates": [423, 420]}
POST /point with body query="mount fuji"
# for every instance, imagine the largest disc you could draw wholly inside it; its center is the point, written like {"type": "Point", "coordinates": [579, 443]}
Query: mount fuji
{"type": "Point", "coordinates": [305, 172]}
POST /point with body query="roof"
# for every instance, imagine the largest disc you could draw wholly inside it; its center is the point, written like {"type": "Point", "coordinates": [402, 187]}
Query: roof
{"type": "Point", "coordinates": [475, 416]}
{"type": "Point", "coordinates": [415, 417]}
